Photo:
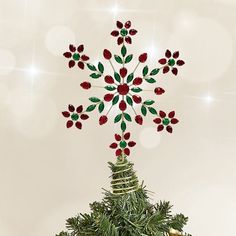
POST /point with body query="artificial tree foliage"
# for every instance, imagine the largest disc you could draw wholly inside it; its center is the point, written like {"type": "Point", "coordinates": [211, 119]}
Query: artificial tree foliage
{"type": "Point", "coordinates": [125, 210]}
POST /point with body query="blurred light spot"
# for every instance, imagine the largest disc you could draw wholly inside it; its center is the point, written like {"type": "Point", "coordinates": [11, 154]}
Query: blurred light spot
{"type": "Point", "coordinates": [115, 10]}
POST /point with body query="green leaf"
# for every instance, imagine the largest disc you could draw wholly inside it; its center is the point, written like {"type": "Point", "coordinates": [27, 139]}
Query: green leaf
{"type": "Point", "coordinates": [155, 71]}
{"type": "Point", "coordinates": [152, 110]}
{"type": "Point", "coordinates": [127, 117]}
{"type": "Point", "coordinates": [118, 59]}
{"type": "Point", "coordinates": [91, 67]}
{"type": "Point", "coordinates": [151, 80]}
{"type": "Point", "coordinates": [110, 88]}
{"type": "Point", "coordinates": [123, 51]}
{"type": "Point", "coordinates": [136, 90]}
{"type": "Point", "coordinates": [94, 99]}
{"type": "Point", "coordinates": [100, 67]}
{"type": "Point", "coordinates": [123, 126]}
{"type": "Point", "coordinates": [129, 58]}
{"type": "Point", "coordinates": [101, 107]}
{"type": "Point", "coordinates": [149, 102]}
{"type": "Point", "coordinates": [115, 99]}
{"type": "Point", "coordinates": [144, 110]}
{"type": "Point", "coordinates": [117, 118]}
{"type": "Point", "coordinates": [145, 70]}
{"type": "Point", "coordinates": [95, 75]}
{"type": "Point", "coordinates": [91, 107]}
{"type": "Point", "coordinates": [129, 100]}
{"type": "Point", "coordinates": [117, 76]}
{"type": "Point", "coordinates": [130, 77]}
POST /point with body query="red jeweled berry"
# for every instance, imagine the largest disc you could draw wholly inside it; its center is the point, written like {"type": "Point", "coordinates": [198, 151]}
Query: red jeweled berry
{"type": "Point", "coordinates": [137, 99]}
{"type": "Point", "coordinates": [107, 54]}
{"type": "Point", "coordinates": [127, 135]}
{"type": "Point", "coordinates": [137, 81]}
{"type": "Point", "coordinates": [143, 57]}
{"type": "Point", "coordinates": [123, 72]}
{"type": "Point", "coordinates": [108, 97]}
{"type": "Point", "coordinates": [103, 119]}
{"type": "Point", "coordinates": [117, 137]}
{"type": "Point", "coordinates": [122, 105]}
{"type": "Point", "coordinates": [109, 79]}
{"type": "Point", "coordinates": [127, 151]}
{"type": "Point", "coordinates": [159, 91]}
{"type": "Point", "coordinates": [113, 145]}
{"type": "Point", "coordinates": [131, 144]}
{"type": "Point", "coordinates": [139, 119]}
{"type": "Point", "coordinates": [85, 85]}
{"type": "Point", "coordinates": [123, 89]}
{"type": "Point", "coordinates": [118, 152]}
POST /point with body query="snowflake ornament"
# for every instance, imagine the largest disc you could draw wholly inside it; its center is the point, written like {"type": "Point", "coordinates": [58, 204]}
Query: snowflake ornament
{"type": "Point", "coordinates": [123, 88]}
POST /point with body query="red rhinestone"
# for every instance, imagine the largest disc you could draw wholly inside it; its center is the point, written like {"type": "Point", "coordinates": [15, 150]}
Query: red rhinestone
{"type": "Point", "coordinates": [109, 79]}
{"type": "Point", "coordinates": [137, 81]}
{"type": "Point", "coordinates": [131, 144]}
{"type": "Point", "coordinates": [127, 151]}
{"type": "Point", "coordinates": [79, 109]}
{"type": "Point", "coordinates": [160, 128]}
{"type": "Point", "coordinates": [71, 108]}
{"type": "Point", "coordinates": [180, 62]}
{"type": "Point", "coordinates": [66, 114]}
{"type": "Point", "coordinates": [69, 123]}
{"type": "Point", "coordinates": [127, 24]}
{"type": "Point", "coordinates": [122, 105]}
{"type": "Point", "coordinates": [168, 53]}
{"type": "Point", "coordinates": [118, 152]}
{"type": "Point", "coordinates": [127, 135]}
{"type": "Point", "coordinates": [166, 69]}
{"type": "Point", "coordinates": [123, 72]}
{"type": "Point", "coordinates": [71, 63]}
{"type": "Point", "coordinates": [162, 61]}
{"type": "Point", "coordinates": [80, 48]}
{"type": "Point", "coordinates": [157, 120]}
{"type": "Point", "coordinates": [119, 25]}
{"type": "Point", "coordinates": [107, 54]}
{"type": "Point", "coordinates": [137, 99]}
{"type": "Point", "coordinates": [85, 85]}
{"type": "Point", "coordinates": [143, 57]}
{"type": "Point", "coordinates": [67, 54]}
{"type": "Point", "coordinates": [123, 89]}
{"type": "Point", "coordinates": [162, 114]}
{"type": "Point", "coordinates": [81, 65]}
{"type": "Point", "coordinates": [78, 125]}
{"type": "Point", "coordinates": [84, 117]}
{"type": "Point", "coordinates": [108, 97]}
{"type": "Point", "coordinates": [115, 33]}
{"type": "Point", "coordinates": [176, 54]}
{"type": "Point", "coordinates": [133, 32]}
{"type": "Point", "coordinates": [174, 71]}
{"type": "Point", "coordinates": [120, 40]}
{"type": "Point", "coordinates": [128, 40]}
{"type": "Point", "coordinates": [113, 145]}
{"type": "Point", "coordinates": [174, 121]}
{"type": "Point", "coordinates": [159, 91]}
{"type": "Point", "coordinates": [171, 114]}
{"type": "Point", "coordinates": [84, 58]}
{"type": "Point", "coordinates": [72, 48]}
{"type": "Point", "coordinates": [103, 120]}
{"type": "Point", "coordinates": [117, 137]}
{"type": "Point", "coordinates": [139, 119]}
{"type": "Point", "coordinates": [169, 129]}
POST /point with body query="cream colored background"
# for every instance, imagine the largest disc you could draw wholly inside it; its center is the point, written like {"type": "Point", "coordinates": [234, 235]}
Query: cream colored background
{"type": "Point", "coordinates": [48, 173]}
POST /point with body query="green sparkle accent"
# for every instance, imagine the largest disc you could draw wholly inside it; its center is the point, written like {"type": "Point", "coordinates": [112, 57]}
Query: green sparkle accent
{"type": "Point", "coordinates": [76, 56]}
{"type": "Point", "coordinates": [124, 32]}
{"type": "Point", "coordinates": [123, 144]}
{"type": "Point", "coordinates": [165, 121]}
{"type": "Point", "coordinates": [74, 116]}
{"type": "Point", "coordinates": [171, 62]}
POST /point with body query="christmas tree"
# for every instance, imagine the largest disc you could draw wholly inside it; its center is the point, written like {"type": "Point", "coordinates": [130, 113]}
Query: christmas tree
{"type": "Point", "coordinates": [126, 209]}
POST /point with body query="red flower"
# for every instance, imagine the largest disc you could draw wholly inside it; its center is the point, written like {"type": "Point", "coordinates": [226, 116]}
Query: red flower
{"type": "Point", "coordinates": [75, 56]}
{"type": "Point", "coordinates": [171, 61]}
{"type": "Point", "coordinates": [74, 115]}
{"type": "Point", "coordinates": [122, 144]}
{"type": "Point", "coordinates": [164, 121]}
{"type": "Point", "coordinates": [124, 32]}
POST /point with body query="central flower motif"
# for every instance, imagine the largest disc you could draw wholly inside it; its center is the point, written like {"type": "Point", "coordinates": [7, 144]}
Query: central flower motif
{"type": "Point", "coordinates": [123, 89]}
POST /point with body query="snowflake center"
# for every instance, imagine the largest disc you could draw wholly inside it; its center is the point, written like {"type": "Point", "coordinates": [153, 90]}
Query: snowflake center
{"type": "Point", "coordinates": [76, 56]}
{"type": "Point", "coordinates": [171, 62]}
{"type": "Point", "coordinates": [165, 121]}
{"type": "Point", "coordinates": [74, 116]}
{"type": "Point", "coordinates": [123, 89]}
{"type": "Point", "coordinates": [124, 32]}
{"type": "Point", "coordinates": [123, 144]}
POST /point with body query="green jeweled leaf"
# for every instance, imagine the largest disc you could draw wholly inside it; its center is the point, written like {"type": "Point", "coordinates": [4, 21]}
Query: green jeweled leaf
{"type": "Point", "coordinates": [129, 58]}
{"type": "Point", "coordinates": [95, 75]}
{"type": "Point", "coordinates": [100, 67]}
{"type": "Point", "coordinates": [117, 118]}
{"type": "Point", "coordinates": [155, 71]}
{"type": "Point", "coordinates": [91, 107]}
{"type": "Point", "coordinates": [127, 117]}
{"type": "Point", "coordinates": [117, 77]}
{"type": "Point", "coordinates": [151, 80]}
{"type": "Point", "coordinates": [123, 126]}
{"type": "Point", "coordinates": [118, 59]}
{"type": "Point", "coordinates": [144, 110]}
{"type": "Point", "coordinates": [152, 110]}
{"type": "Point", "coordinates": [110, 88]}
{"type": "Point", "coordinates": [91, 67]}
{"type": "Point", "coordinates": [149, 102]}
{"type": "Point", "coordinates": [115, 99]}
{"type": "Point", "coordinates": [129, 100]}
{"type": "Point", "coordinates": [136, 90]}
{"type": "Point", "coordinates": [101, 107]}
{"type": "Point", "coordinates": [123, 51]}
{"type": "Point", "coordinates": [94, 99]}
{"type": "Point", "coordinates": [130, 77]}
{"type": "Point", "coordinates": [145, 70]}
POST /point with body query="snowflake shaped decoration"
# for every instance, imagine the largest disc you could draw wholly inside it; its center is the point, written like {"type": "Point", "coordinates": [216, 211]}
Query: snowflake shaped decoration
{"type": "Point", "coordinates": [122, 88]}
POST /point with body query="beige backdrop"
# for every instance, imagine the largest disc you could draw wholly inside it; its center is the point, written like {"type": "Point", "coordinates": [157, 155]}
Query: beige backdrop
{"type": "Point", "coordinates": [48, 173]}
